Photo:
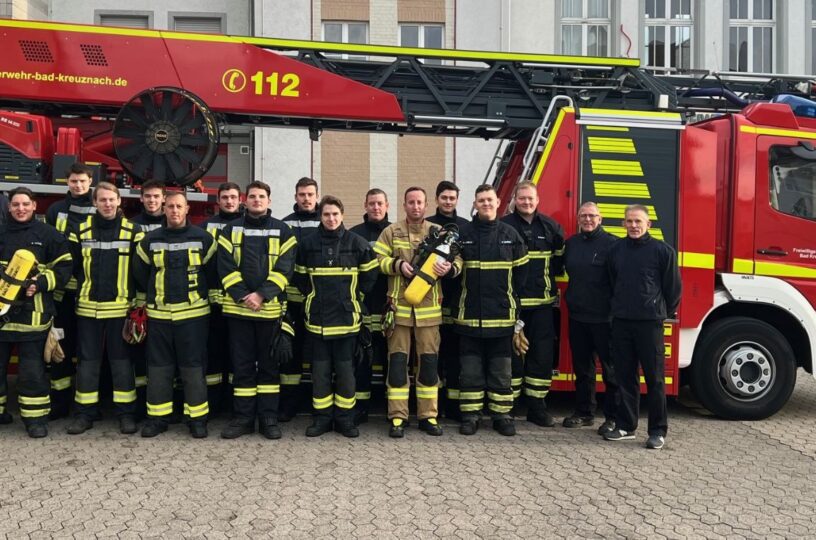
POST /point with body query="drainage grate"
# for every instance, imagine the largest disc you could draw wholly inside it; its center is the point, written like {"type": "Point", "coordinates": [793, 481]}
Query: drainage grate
{"type": "Point", "coordinates": [94, 55]}
{"type": "Point", "coordinates": [36, 51]}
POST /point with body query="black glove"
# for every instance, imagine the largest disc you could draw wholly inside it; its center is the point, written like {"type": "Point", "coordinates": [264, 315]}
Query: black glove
{"type": "Point", "coordinates": [363, 352]}
{"type": "Point", "coordinates": [282, 352]}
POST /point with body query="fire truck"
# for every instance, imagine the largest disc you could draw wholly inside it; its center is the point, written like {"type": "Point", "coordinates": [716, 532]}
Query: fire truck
{"type": "Point", "coordinates": [725, 163]}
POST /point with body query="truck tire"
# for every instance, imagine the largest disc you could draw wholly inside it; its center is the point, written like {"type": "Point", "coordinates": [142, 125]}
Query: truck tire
{"type": "Point", "coordinates": [743, 369]}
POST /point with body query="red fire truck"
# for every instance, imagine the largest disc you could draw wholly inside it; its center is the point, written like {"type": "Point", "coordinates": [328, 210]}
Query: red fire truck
{"type": "Point", "coordinates": [734, 193]}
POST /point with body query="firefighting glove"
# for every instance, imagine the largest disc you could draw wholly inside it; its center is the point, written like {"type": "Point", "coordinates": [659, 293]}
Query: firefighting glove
{"type": "Point", "coordinates": [389, 319]}
{"type": "Point", "coordinates": [53, 351]}
{"type": "Point", "coordinates": [283, 351]}
{"type": "Point", "coordinates": [520, 342]}
{"type": "Point", "coordinates": [363, 353]}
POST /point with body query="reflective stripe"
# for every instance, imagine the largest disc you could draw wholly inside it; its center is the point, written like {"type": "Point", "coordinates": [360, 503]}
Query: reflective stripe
{"type": "Point", "coordinates": [33, 413]}
{"type": "Point", "coordinates": [196, 411]}
{"type": "Point", "coordinates": [344, 403]}
{"type": "Point", "coordinates": [290, 379]}
{"type": "Point", "coordinates": [102, 246]}
{"type": "Point", "coordinates": [471, 395]}
{"type": "Point", "coordinates": [382, 249]}
{"type": "Point", "coordinates": [540, 394]}
{"type": "Point", "coordinates": [178, 246]}
{"type": "Point", "coordinates": [86, 398]}
{"type": "Point", "coordinates": [470, 407]}
{"type": "Point", "coordinates": [398, 393]}
{"type": "Point", "coordinates": [214, 379]}
{"type": "Point", "coordinates": [323, 403]}
{"type": "Point", "coordinates": [34, 400]}
{"type": "Point", "coordinates": [493, 396]}
{"type": "Point", "coordinates": [501, 409]}
{"type": "Point", "coordinates": [268, 388]}
{"type": "Point", "coordinates": [453, 393]}
{"type": "Point", "coordinates": [80, 210]}
{"type": "Point", "coordinates": [427, 392]}
{"type": "Point", "coordinates": [302, 224]}
{"type": "Point", "coordinates": [362, 395]}
{"type": "Point", "coordinates": [124, 396]}
{"type": "Point", "coordinates": [61, 384]}
{"type": "Point", "coordinates": [245, 392]}
{"type": "Point", "coordinates": [537, 382]}
{"type": "Point", "coordinates": [256, 232]}
{"type": "Point", "coordinates": [141, 381]}
{"type": "Point", "coordinates": [160, 409]}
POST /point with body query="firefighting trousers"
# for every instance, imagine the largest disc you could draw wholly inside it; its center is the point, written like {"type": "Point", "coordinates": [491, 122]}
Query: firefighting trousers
{"type": "Point", "coordinates": [138, 355]}
{"type": "Point", "coordinates": [291, 372]}
{"type": "Point", "coordinates": [217, 373]}
{"type": "Point", "coordinates": [532, 375]}
{"type": "Point", "coordinates": [32, 381]}
{"type": "Point", "coordinates": [364, 371]}
{"type": "Point", "coordinates": [333, 357]}
{"type": "Point", "coordinates": [255, 375]}
{"type": "Point", "coordinates": [177, 347]}
{"type": "Point", "coordinates": [60, 373]}
{"type": "Point", "coordinates": [426, 341]}
{"type": "Point", "coordinates": [97, 337]}
{"type": "Point", "coordinates": [449, 366]}
{"type": "Point", "coordinates": [633, 343]}
{"type": "Point", "coordinates": [586, 340]}
{"type": "Point", "coordinates": [485, 364]}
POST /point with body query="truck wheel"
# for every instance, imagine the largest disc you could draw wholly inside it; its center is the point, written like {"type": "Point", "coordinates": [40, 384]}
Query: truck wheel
{"type": "Point", "coordinates": [166, 134]}
{"type": "Point", "coordinates": [743, 369]}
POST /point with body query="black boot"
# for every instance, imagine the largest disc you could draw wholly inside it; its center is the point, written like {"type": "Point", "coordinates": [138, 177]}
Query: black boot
{"type": "Point", "coordinates": [269, 428]}
{"type": "Point", "coordinates": [198, 429]}
{"type": "Point", "coordinates": [80, 424]}
{"type": "Point", "coordinates": [37, 430]}
{"type": "Point", "coordinates": [238, 427]}
{"type": "Point", "coordinates": [320, 425]}
{"type": "Point", "coordinates": [153, 427]}
{"type": "Point", "coordinates": [346, 428]}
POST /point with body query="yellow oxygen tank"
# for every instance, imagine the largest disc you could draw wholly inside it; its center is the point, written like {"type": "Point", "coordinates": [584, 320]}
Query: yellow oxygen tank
{"type": "Point", "coordinates": [425, 277]}
{"type": "Point", "coordinates": [18, 269]}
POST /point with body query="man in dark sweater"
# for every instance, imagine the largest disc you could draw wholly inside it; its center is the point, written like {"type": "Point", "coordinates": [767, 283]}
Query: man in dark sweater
{"type": "Point", "coordinates": [588, 295]}
{"type": "Point", "coordinates": [645, 291]}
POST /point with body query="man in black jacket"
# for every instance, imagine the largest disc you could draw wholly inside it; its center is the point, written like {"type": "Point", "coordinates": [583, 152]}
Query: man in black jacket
{"type": "Point", "coordinates": [27, 321]}
{"type": "Point", "coordinates": [303, 222]}
{"type": "Point", "coordinates": [544, 239]}
{"type": "Point", "coordinates": [588, 295]}
{"type": "Point", "coordinates": [152, 215]}
{"type": "Point", "coordinates": [66, 215]}
{"type": "Point", "coordinates": [374, 222]}
{"type": "Point", "coordinates": [447, 198]}
{"type": "Point", "coordinates": [256, 259]}
{"type": "Point", "coordinates": [645, 291]}
{"type": "Point", "coordinates": [495, 267]}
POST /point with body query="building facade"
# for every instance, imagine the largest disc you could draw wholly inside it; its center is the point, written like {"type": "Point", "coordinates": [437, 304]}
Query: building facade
{"type": "Point", "coordinates": [758, 36]}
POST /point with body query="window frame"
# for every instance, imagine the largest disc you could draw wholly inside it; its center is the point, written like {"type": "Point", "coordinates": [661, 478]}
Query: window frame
{"type": "Point", "coordinates": [669, 24]}
{"type": "Point", "coordinates": [173, 16]}
{"type": "Point", "coordinates": [585, 22]}
{"type": "Point", "coordinates": [125, 13]}
{"type": "Point", "coordinates": [751, 23]}
{"type": "Point", "coordinates": [421, 38]}
{"type": "Point", "coordinates": [344, 33]}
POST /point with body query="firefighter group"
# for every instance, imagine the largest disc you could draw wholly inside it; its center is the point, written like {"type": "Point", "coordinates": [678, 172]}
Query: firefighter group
{"type": "Point", "coordinates": [227, 315]}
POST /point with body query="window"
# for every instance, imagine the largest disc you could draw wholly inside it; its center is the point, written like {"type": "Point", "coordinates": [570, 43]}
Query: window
{"type": "Point", "coordinates": [202, 24]}
{"type": "Point", "coordinates": [585, 27]}
{"type": "Point", "coordinates": [427, 36]}
{"type": "Point", "coordinates": [751, 35]}
{"type": "Point", "coordinates": [124, 19]}
{"type": "Point", "coordinates": [668, 33]}
{"type": "Point", "coordinates": [793, 181]}
{"type": "Point", "coordinates": [346, 32]}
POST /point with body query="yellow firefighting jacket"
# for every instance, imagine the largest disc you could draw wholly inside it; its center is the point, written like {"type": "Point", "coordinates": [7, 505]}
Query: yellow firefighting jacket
{"type": "Point", "coordinates": [397, 243]}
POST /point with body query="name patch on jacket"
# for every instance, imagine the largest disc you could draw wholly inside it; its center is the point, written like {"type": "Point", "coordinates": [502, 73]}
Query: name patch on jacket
{"type": "Point", "coordinates": [176, 246]}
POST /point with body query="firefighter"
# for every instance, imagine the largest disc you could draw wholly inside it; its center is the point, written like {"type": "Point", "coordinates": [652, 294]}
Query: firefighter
{"type": "Point", "coordinates": [304, 222]}
{"type": "Point", "coordinates": [170, 268]}
{"type": "Point", "coordinates": [229, 209]}
{"type": "Point", "coordinates": [645, 291]}
{"type": "Point", "coordinates": [152, 196]}
{"type": "Point", "coordinates": [375, 220]}
{"type": "Point", "coordinates": [588, 294]}
{"type": "Point", "coordinates": [447, 197]}
{"type": "Point", "coordinates": [29, 318]}
{"type": "Point", "coordinates": [334, 269]}
{"type": "Point", "coordinates": [544, 239]}
{"type": "Point", "coordinates": [395, 249]}
{"type": "Point", "coordinates": [66, 215]}
{"type": "Point", "coordinates": [150, 218]}
{"type": "Point", "coordinates": [256, 257]}
{"type": "Point", "coordinates": [102, 247]}
{"type": "Point", "coordinates": [495, 267]}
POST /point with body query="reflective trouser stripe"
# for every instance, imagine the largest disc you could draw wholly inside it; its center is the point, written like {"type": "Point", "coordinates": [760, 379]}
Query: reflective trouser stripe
{"type": "Point", "coordinates": [471, 401]}
{"type": "Point", "coordinates": [537, 388]}
{"type": "Point", "coordinates": [398, 393]}
{"type": "Point", "coordinates": [427, 392]}
{"type": "Point", "coordinates": [214, 379]}
{"type": "Point", "coordinates": [196, 411]}
{"type": "Point", "coordinates": [86, 398]}
{"type": "Point", "coordinates": [34, 406]}
{"type": "Point", "coordinates": [344, 403]}
{"type": "Point", "coordinates": [453, 393]}
{"type": "Point", "coordinates": [124, 396]}
{"type": "Point", "coordinates": [141, 382]}
{"type": "Point", "coordinates": [268, 388]}
{"type": "Point", "coordinates": [500, 403]}
{"type": "Point", "coordinates": [290, 379]}
{"type": "Point", "coordinates": [323, 403]}
{"type": "Point", "coordinates": [251, 391]}
{"type": "Point", "coordinates": [515, 384]}
{"type": "Point", "coordinates": [160, 409]}
{"type": "Point", "coordinates": [63, 383]}
{"type": "Point", "coordinates": [362, 395]}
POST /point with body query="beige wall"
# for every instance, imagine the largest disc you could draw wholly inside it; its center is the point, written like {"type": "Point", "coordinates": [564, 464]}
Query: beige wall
{"type": "Point", "coordinates": [421, 11]}
{"type": "Point", "coordinates": [344, 10]}
{"type": "Point", "coordinates": [345, 161]}
{"type": "Point", "coordinates": [420, 162]}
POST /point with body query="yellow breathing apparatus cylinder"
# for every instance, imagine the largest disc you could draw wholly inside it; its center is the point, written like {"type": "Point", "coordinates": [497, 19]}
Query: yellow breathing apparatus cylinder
{"type": "Point", "coordinates": [425, 277]}
{"type": "Point", "coordinates": [18, 270]}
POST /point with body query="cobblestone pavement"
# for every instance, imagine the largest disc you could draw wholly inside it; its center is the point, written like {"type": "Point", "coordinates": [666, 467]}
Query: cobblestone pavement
{"type": "Point", "coordinates": [714, 479]}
